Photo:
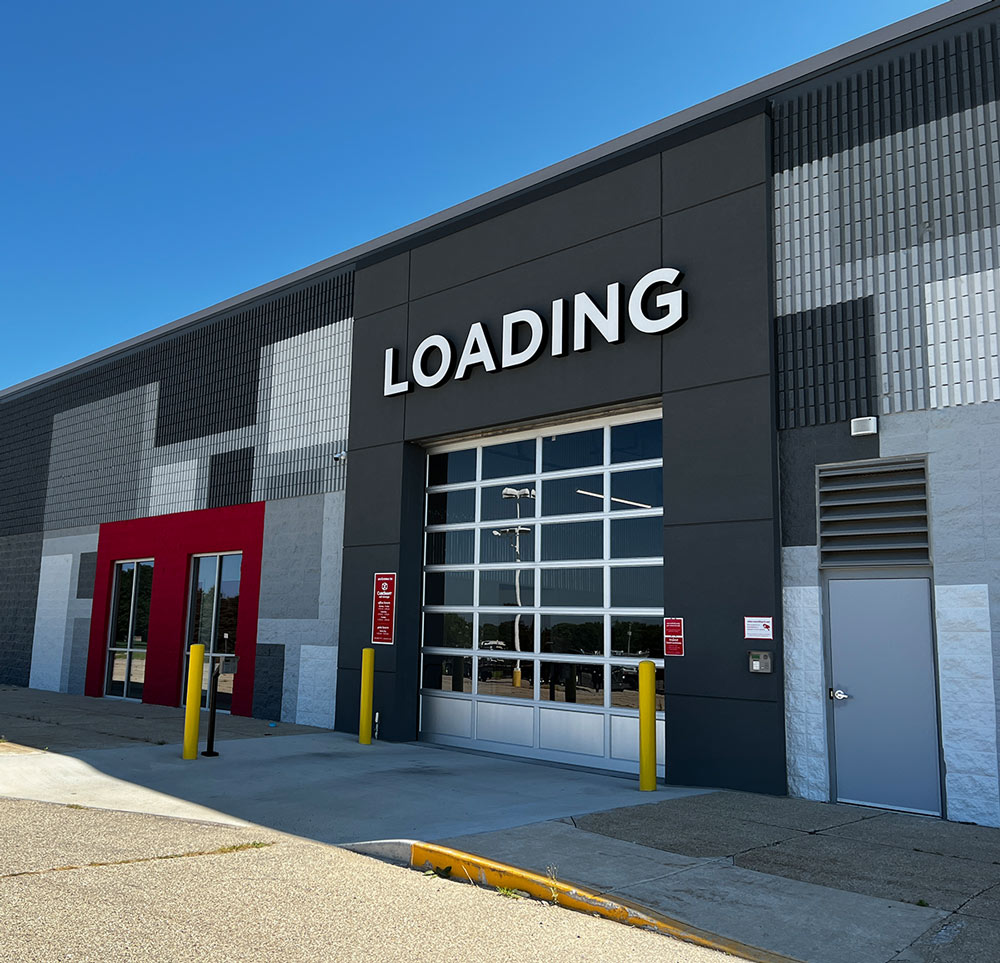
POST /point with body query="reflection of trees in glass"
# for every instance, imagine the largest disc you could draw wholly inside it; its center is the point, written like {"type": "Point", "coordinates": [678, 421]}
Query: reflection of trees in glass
{"type": "Point", "coordinates": [503, 632]}
{"type": "Point", "coordinates": [143, 595]}
{"type": "Point", "coordinates": [123, 605]}
{"type": "Point", "coordinates": [637, 637]}
{"type": "Point", "coordinates": [457, 630]}
{"type": "Point", "coordinates": [574, 636]}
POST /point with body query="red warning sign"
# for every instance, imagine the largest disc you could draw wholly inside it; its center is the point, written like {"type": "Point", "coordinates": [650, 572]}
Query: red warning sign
{"type": "Point", "coordinates": [673, 636]}
{"type": "Point", "coordinates": [384, 609]}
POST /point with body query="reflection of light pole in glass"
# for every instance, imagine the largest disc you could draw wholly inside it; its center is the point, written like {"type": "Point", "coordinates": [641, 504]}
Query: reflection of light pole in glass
{"type": "Point", "coordinates": [516, 532]}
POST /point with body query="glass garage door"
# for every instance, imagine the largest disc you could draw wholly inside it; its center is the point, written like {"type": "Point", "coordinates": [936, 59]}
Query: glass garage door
{"type": "Point", "coordinates": [543, 590]}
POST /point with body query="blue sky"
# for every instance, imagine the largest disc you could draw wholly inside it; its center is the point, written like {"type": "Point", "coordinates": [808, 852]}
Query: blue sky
{"type": "Point", "coordinates": [159, 158]}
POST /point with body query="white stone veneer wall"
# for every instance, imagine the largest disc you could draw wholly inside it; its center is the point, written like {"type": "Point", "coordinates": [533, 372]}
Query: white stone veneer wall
{"type": "Point", "coordinates": [968, 703]}
{"type": "Point", "coordinates": [805, 702]}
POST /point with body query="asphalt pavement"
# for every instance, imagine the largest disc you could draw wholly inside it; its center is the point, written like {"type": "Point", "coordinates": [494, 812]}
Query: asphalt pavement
{"type": "Point", "coordinates": [92, 886]}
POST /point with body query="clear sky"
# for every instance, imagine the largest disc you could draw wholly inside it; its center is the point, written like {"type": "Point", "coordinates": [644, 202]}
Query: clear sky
{"type": "Point", "coordinates": [159, 157]}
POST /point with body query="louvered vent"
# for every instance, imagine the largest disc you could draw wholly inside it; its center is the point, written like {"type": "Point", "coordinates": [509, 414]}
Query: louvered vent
{"type": "Point", "coordinates": [873, 515]}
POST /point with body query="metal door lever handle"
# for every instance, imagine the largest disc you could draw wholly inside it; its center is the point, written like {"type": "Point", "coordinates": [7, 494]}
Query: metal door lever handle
{"type": "Point", "coordinates": [838, 694]}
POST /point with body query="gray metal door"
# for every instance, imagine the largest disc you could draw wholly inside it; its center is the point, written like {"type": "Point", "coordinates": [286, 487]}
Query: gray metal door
{"type": "Point", "coordinates": [883, 693]}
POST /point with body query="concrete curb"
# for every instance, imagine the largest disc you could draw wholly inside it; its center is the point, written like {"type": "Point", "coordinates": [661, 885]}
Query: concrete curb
{"type": "Point", "coordinates": [455, 864]}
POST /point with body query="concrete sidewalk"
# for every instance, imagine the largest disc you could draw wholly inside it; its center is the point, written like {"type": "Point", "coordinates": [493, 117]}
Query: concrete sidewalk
{"type": "Point", "coordinates": [59, 722]}
{"type": "Point", "coordinates": [813, 881]}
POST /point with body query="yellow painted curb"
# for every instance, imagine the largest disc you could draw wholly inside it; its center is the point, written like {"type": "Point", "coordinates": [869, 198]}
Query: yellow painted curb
{"type": "Point", "coordinates": [455, 864]}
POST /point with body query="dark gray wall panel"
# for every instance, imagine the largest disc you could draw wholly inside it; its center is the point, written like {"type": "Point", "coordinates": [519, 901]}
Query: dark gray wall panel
{"type": "Point", "coordinates": [547, 385]}
{"type": "Point", "coordinates": [375, 419]}
{"type": "Point", "coordinates": [718, 453]}
{"type": "Point", "coordinates": [20, 564]}
{"type": "Point", "coordinates": [800, 450]}
{"type": "Point", "coordinates": [397, 665]}
{"type": "Point", "coordinates": [726, 743]}
{"type": "Point", "coordinates": [720, 163]}
{"type": "Point", "coordinates": [715, 574]}
{"type": "Point", "coordinates": [373, 513]}
{"type": "Point", "coordinates": [722, 246]}
{"type": "Point", "coordinates": [589, 210]}
{"type": "Point", "coordinates": [382, 285]}
{"type": "Point", "coordinates": [269, 671]}
{"type": "Point", "coordinates": [86, 576]}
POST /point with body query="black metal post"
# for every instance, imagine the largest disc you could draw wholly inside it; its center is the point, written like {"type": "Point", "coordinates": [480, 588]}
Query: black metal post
{"type": "Point", "coordinates": [213, 689]}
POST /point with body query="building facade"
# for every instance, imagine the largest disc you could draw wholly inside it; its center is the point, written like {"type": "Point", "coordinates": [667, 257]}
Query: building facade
{"type": "Point", "coordinates": [739, 368]}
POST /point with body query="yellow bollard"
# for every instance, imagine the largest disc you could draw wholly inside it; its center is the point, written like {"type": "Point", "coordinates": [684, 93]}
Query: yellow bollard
{"type": "Point", "coordinates": [367, 691]}
{"type": "Point", "coordinates": [647, 726]}
{"type": "Point", "coordinates": [192, 712]}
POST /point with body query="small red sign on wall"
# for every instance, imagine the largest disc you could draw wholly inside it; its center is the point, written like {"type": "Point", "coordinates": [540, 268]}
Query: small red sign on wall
{"type": "Point", "coordinates": [673, 636]}
{"type": "Point", "coordinates": [384, 609]}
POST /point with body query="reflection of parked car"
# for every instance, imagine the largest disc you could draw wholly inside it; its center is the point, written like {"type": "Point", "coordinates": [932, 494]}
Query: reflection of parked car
{"type": "Point", "coordinates": [487, 666]}
{"type": "Point", "coordinates": [624, 678]}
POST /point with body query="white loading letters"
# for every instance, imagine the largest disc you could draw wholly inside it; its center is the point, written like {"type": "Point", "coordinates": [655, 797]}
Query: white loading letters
{"type": "Point", "coordinates": [434, 359]}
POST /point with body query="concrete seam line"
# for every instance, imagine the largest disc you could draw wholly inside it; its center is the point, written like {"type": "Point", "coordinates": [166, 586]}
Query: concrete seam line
{"type": "Point", "coordinates": [487, 872]}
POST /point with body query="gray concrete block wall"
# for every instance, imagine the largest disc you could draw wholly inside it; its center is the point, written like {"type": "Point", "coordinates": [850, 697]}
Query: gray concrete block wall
{"type": "Point", "coordinates": [962, 445]}
{"type": "Point", "coordinates": [299, 610]}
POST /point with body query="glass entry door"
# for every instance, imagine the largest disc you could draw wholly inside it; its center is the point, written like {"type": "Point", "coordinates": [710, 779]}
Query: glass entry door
{"type": "Point", "coordinates": [127, 640]}
{"type": "Point", "coordinates": [215, 599]}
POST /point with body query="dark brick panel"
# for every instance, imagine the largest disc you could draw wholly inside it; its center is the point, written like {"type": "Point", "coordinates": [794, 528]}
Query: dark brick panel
{"type": "Point", "coordinates": [20, 564]}
{"type": "Point", "coordinates": [827, 364]}
{"type": "Point", "coordinates": [269, 672]}
{"type": "Point", "coordinates": [88, 572]}
{"type": "Point", "coordinates": [230, 478]}
{"type": "Point", "coordinates": [888, 93]}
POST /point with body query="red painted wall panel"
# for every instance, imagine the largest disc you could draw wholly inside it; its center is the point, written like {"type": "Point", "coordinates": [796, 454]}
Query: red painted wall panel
{"type": "Point", "coordinates": [171, 540]}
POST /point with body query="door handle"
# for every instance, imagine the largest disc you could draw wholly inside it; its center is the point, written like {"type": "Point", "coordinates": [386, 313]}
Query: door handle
{"type": "Point", "coordinates": [838, 694]}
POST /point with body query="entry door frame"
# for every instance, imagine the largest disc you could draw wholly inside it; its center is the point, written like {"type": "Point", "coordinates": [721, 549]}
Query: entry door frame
{"type": "Point", "coordinates": [896, 572]}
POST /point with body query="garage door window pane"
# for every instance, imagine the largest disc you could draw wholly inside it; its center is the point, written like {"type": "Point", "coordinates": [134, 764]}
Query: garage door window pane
{"type": "Point", "coordinates": [451, 548]}
{"type": "Point", "coordinates": [573, 496]}
{"type": "Point", "coordinates": [637, 537]}
{"type": "Point", "coordinates": [513, 458]}
{"type": "Point", "coordinates": [451, 508]}
{"type": "Point", "coordinates": [577, 634]}
{"type": "Point", "coordinates": [448, 588]}
{"type": "Point", "coordinates": [637, 489]}
{"type": "Point", "coordinates": [639, 588]}
{"type": "Point", "coordinates": [580, 683]}
{"type": "Point", "coordinates": [579, 449]}
{"type": "Point", "coordinates": [573, 587]}
{"type": "Point", "coordinates": [637, 636]}
{"type": "Point", "coordinates": [451, 630]}
{"type": "Point", "coordinates": [452, 467]}
{"type": "Point", "coordinates": [637, 442]}
{"type": "Point", "coordinates": [447, 673]}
